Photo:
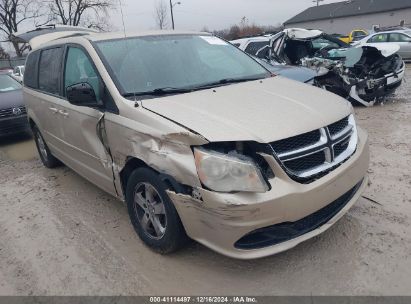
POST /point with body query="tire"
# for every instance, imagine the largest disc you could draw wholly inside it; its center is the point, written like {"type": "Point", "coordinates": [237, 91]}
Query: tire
{"type": "Point", "coordinates": [160, 228]}
{"type": "Point", "coordinates": [46, 157]}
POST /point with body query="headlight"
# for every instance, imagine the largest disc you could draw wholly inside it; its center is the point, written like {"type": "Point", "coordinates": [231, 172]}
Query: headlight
{"type": "Point", "coordinates": [227, 173]}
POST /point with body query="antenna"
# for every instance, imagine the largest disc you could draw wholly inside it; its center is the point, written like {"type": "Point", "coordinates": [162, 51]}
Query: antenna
{"type": "Point", "coordinates": [318, 2]}
{"type": "Point", "coordinates": [122, 18]}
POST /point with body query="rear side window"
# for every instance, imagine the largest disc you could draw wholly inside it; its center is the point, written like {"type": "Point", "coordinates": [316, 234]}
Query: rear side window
{"type": "Point", "coordinates": [30, 75]}
{"type": "Point", "coordinates": [398, 37]}
{"type": "Point", "coordinates": [253, 47]}
{"type": "Point", "coordinates": [49, 70]}
{"type": "Point", "coordinates": [357, 34]}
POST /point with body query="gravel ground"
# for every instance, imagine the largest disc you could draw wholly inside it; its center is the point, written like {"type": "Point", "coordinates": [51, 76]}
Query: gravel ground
{"type": "Point", "coordinates": [60, 235]}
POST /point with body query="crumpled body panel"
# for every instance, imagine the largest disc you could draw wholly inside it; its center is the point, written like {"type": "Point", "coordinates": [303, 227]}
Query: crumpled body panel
{"type": "Point", "coordinates": [161, 144]}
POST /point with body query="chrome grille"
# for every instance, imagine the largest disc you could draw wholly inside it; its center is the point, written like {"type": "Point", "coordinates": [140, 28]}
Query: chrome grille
{"type": "Point", "coordinates": [11, 112]}
{"type": "Point", "coordinates": [296, 142]}
{"type": "Point", "coordinates": [317, 152]}
{"type": "Point", "coordinates": [338, 126]}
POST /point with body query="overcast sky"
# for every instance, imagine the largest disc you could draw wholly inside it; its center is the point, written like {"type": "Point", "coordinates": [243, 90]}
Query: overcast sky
{"type": "Point", "coordinates": [197, 14]}
{"type": "Point", "coordinates": [214, 14]}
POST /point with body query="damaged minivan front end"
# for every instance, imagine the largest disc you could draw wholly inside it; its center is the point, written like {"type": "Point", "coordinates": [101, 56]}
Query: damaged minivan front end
{"type": "Point", "coordinates": [267, 184]}
{"type": "Point", "coordinates": [248, 225]}
{"type": "Point", "coordinates": [363, 74]}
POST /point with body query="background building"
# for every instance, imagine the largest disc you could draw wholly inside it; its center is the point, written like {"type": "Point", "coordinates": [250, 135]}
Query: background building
{"type": "Point", "coordinates": [343, 17]}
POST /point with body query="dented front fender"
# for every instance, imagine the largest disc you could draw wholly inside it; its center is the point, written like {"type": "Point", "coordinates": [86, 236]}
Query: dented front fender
{"type": "Point", "coordinates": [159, 143]}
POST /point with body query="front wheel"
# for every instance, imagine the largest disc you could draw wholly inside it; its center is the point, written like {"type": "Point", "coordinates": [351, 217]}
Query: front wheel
{"type": "Point", "coordinates": [152, 213]}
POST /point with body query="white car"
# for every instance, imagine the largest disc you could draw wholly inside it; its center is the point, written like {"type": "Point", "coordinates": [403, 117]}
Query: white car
{"type": "Point", "coordinates": [251, 45]}
{"type": "Point", "coordinates": [18, 73]}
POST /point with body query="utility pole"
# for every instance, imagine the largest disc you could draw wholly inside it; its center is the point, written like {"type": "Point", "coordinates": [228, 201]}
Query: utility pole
{"type": "Point", "coordinates": [171, 10]}
{"type": "Point", "coordinates": [318, 2]}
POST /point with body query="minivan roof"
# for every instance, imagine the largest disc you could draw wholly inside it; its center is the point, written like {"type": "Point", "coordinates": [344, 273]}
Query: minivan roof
{"type": "Point", "coordinates": [119, 35]}
{"type": "Point", "coordinates": [41, 36]}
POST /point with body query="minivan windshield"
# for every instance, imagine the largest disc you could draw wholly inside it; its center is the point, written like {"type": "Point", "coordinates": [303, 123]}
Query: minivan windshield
{"type": "Point", "coordinates": [8, 84]}
{"type": "Point", "coordinates": [174, 63]}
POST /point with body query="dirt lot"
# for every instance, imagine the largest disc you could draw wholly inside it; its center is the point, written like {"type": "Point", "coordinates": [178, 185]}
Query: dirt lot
{"type": "Point", "coordinates": [60, 235]}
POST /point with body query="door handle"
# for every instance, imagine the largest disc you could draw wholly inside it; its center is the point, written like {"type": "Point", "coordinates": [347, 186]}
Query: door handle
{"type": "Point", "coordinates": [64, 113]}
{"type": "Point", "coordinates": [54, 110]}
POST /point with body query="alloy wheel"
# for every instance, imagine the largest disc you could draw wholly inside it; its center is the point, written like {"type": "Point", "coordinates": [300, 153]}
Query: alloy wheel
{"type": "Point", "coordinates": [150, 210]}
{"type": "Point", "coordinates": [42, 145]}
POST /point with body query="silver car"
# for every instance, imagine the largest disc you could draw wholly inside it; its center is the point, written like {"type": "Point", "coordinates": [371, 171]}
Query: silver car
{"type": "Point", "coordinates": [399, 37]}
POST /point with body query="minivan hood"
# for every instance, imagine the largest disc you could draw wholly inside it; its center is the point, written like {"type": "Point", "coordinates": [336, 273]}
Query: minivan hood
{"type": "Point", "coordinates": [262, 111]}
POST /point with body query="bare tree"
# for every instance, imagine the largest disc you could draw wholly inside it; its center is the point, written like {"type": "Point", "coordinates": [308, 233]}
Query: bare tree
{"type": "Point", "coordinates": [161, 15]}
{"type": "Point", "coordinates": [88, 13]}
{"type": "Point", "coordinates": [12, 14]}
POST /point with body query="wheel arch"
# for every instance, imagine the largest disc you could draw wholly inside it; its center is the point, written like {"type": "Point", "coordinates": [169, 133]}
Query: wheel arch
{"type": "Point", "coordinates": [133, 163]}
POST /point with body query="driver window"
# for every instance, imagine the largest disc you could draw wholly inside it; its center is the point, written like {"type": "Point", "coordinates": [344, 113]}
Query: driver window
{"type": "Point", "coordinates": [378, 38]}
{"type": "Point", "coordinates": [79, 69]}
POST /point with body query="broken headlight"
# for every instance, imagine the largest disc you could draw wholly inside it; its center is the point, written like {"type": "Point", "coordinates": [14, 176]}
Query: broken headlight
{"type": "Point", "coordinates": [228, 172]}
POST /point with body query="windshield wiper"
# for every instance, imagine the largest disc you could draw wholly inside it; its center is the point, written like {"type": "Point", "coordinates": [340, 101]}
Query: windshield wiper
{"type": "Point", "coordinates": [159, 92]}
{"type": "Point", "coordinates": [227, 81]}
{"type": "Point", "coordinates": [169, 90]}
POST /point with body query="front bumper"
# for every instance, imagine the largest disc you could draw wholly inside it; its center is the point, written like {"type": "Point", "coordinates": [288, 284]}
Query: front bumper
{"type": "Point", "coordinates": [221, 220]}
{"type": "Point", "coordinates": [14, 125]}
{"type": "Point", "coordinates": [391, 82]}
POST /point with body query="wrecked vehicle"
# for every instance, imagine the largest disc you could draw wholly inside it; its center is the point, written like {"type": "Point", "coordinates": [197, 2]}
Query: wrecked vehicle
{"type": "Point", "coordinates": [256, 45]}
{"type": "Point", "coordinates": [197, 138]}
{"type": "Point", "coordinates": [363, 74]}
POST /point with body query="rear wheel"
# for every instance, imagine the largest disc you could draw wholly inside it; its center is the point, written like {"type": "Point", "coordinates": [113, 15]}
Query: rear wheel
{"type": "Point", "coordinates": [46, 157]}
{"type": "Point", "coordinates": [152, 213]}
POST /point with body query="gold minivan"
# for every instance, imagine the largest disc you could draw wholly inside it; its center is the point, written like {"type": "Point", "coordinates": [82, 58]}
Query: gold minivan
{"type": "Point", "coordinates": [199, 140]}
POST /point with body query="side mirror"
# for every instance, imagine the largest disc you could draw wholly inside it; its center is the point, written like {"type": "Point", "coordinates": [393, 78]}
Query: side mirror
{"type": "Point", "coordinates": [82, 94]}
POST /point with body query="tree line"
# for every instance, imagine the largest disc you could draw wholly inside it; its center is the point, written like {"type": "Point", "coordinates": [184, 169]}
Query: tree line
{"type": "Point", "coordinates": [246, 29]}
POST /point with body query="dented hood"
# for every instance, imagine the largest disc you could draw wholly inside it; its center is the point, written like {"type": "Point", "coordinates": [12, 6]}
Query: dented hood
{"type": "Point", "coordinates": [386, 49]}
{"type": "Point", "coordinates": [299, 33]}
{"type": "Point", "coordinates": [262, 111]}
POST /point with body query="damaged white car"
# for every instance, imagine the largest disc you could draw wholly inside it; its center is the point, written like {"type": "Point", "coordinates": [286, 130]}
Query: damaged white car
{"type": "Point", "coordinates": [363, 74]}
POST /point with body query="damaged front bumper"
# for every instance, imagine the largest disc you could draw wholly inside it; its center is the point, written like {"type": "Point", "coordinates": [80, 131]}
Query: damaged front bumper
{"type": "Point", "coordinates": [255, 225]}
{"type": "Point", "coordinates": [381, 88]}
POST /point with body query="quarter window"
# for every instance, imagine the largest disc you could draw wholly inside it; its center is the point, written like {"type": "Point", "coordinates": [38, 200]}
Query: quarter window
{"type": "Point", "coordinates": [79, 69]}
{"type": "Point", "coordinates": [49, 70]}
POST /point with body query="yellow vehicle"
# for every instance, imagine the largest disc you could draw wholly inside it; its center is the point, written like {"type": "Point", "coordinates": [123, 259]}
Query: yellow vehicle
{"type": "Point", "coordinates": [354, 36]}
